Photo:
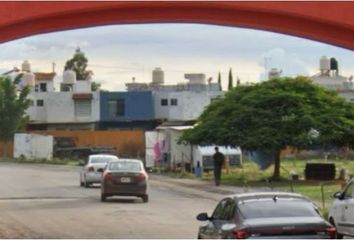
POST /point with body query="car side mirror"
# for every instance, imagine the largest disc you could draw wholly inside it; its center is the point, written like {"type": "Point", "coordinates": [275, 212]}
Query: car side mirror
{"type": "Point", "coordinates": [338, 195]}
{"type": "Point", "coordinates": [203, 217]}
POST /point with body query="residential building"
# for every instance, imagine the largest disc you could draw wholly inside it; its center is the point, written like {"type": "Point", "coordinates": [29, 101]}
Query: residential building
{"type": "Point", "coordinates": [74, 107]}
{"type": "Point", "coordinates": [330, 78]}
{"type": "Point", "coordinates": [126, 110]}
{"type": "Point", "coordinates": [181, 102]}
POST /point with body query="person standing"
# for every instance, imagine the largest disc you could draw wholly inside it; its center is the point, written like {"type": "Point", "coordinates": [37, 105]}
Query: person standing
{"type": "Point", "coordinates": [219, 159]}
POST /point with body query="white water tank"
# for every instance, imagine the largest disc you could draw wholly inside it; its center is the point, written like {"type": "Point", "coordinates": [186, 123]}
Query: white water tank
{"type": "Point", "coordinates": [325, 64]}
{"type": "Point", "coordinates": [26, 66]}
{"type": "Point", "coordinates": [274, 73]}
{"type": "Point", "coordinates": [28, 79]}
{"type": "Point", "coordinates": [158, 77]}
{"type": "Point", "coordinates": [69, 77]}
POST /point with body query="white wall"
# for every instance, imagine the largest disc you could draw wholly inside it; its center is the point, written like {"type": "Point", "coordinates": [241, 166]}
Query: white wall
{"type": "Point", "coordinates": [83, 86]}
{"type": "Point", "coordinates": [33, 146]}
{"type": "Point", "coordinates": [190, 104]}
{"type": "Point", "coordinates": [180, 153]}
{"type": "Point", "coordinates": [59, 108]}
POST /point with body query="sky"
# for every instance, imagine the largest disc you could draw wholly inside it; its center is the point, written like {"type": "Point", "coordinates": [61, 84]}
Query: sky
{"type": "Point", "coordinates": [118, 53]}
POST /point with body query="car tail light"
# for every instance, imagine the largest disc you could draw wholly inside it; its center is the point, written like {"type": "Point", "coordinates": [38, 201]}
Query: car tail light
{"type": "Point", "coordinates": [108, 177]}
{"type": "Point", "coordinates": [240, 234]}
{"type": "Point", "coordinates": [331, 232]}
{"type": "Point", "coordinates": [140, 177]}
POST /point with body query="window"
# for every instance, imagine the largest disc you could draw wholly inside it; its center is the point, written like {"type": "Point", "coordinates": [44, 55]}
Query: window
{"type": "Point", "coordinates": [219, 210]}
{"type": "Point", "coordinates": [31, 103]}
{"type": "Point", "coordinates": [164, 102]}
{"type": "Point", "coordinates": [174, 102]}
{"type": "Point", "coordinates": [40, 103]}
{"type": "Point", "coordinates": [116, 107]}
{"type": "Point", "coordinates": [82, 108]}
{"type": "Point", "coordinates": [349, 191]}
{"type": "Point", "coordinates": [43, 87]}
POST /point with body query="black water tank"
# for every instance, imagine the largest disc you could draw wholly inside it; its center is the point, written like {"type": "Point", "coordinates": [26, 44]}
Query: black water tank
{"type": "Point", "coordinates": [334, 64]}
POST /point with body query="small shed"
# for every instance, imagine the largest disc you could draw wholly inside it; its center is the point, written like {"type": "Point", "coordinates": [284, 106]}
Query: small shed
{"type": "Point", "coordinates": [204, 155]}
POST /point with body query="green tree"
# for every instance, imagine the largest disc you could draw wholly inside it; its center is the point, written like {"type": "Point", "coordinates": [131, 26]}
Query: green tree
{"type": "Point", "coordinates": [78, 64]}
{"type": "Point", "coordinates": [219, 81]}
{"type": "Point", "coordinates": [12, 109]}
{"type": "Point", "coordinates": [231, 84]}
{"type": "Point", "coordinates": [271, 115]}
{"type": "Point", "coordinates": [95, 86]}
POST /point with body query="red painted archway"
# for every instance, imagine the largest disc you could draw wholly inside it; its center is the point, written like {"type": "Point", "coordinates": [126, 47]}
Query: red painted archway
{"type": "Point", "coordinates": [330, 22]}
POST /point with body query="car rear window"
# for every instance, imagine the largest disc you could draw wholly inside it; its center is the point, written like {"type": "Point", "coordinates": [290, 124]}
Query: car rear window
{"type": "Point", "coordinates": [125, 166]}
{"type": "Point", "coordinates": [101, 159]}
{"type": "Point", "coordinates": [279, 208]}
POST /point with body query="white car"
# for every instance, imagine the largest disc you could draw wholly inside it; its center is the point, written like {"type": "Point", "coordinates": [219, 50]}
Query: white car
{"type": "Point", "coordinates": [341, 214]}
{"type": "Point", "coordinates": [92, 171]}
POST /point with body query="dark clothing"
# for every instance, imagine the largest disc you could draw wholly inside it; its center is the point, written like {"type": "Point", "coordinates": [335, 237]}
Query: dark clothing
{"type": "Point", "coordinates": [219, 159]}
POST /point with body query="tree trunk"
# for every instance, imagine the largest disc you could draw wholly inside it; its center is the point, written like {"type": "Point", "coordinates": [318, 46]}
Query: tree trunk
{"type": "Point", "coordinates": [276, 174]}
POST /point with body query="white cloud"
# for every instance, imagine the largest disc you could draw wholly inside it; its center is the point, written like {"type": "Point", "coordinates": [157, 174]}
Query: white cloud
{"type": "Point", "coordinates": [118, 53]}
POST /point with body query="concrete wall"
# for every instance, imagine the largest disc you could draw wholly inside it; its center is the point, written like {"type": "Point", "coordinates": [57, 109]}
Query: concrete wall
{"type": "Point", "coordinates": [138, 106]}
{"type": "Point", "coordinates": [82, 86]}
{"type": "Point", "coordinates": [33, 146]}
{"type": "Point", "coordinates": [190, 104]}
{"type": "Point", "coordinates": [59, 108]}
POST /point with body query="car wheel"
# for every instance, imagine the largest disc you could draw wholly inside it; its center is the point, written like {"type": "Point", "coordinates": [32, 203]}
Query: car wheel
{"type": "Point", "coordinates": [338, 235]}
{"type": "Point", "coordinates": [86, 184]}
{"type": "Point", "coordinates": [199, 237]}
{"type": "Point", "coordinates": [145, 198]}
{"type": "Point", "coordinates": [103, 197]}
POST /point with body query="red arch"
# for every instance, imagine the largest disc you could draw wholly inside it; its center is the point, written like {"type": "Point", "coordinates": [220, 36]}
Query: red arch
{"type": "Point", "coordinates": [330, 22]}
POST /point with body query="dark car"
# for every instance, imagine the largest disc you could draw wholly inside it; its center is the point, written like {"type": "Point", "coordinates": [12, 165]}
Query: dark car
{"type": "Point", "coordinates": [124, 177]}
{"type": "Point", "coordinates": [265, 215]}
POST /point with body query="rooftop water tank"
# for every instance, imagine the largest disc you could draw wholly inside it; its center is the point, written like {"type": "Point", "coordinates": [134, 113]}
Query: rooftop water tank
{"type": "Point", "coordinates": [69, 77]}
{"type": "Point", "coordinates": [26, 66]}
{"type": "Point", "coordinates": [274, 73]}
{"type": "Point", "coordinates": [28, 79]}
{"type": "Point", "coordinates": [334, 64]}
{"type": "Point", "coordinates": [158, 77]}
{"type": "Point", "coordinates": [195, 78]}
{"type": "Point", "coordinates": [325, 64]}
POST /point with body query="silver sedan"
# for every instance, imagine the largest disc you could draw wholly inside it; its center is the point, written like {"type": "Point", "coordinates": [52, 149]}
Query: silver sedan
{"type": "Point", "coordinates": [92, 171]}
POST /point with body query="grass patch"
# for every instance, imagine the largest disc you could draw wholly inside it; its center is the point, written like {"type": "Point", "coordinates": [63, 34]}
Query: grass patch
{"type": "Point", "coordinates": [321, 192]}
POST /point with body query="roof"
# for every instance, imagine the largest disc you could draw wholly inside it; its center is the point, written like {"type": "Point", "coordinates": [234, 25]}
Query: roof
{"type": "Point", "coordinates": [226, 150]}
{"type": "Point", "coordinates": [102, 155]}
{"type": "Point", "coordinates": [40, 76]}
{"type": "Point", "coordinates": [261, 195]}
{"type": "Point", "coordinates": [178, 128]}
{"type": "Point", "coordinates": [127, 160]}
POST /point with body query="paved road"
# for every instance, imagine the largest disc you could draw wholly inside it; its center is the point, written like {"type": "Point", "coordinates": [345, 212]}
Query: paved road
{"type": "Point", "coordinates": [45, 201]}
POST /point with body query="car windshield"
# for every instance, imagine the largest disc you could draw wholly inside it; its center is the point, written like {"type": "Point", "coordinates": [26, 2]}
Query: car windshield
{"type": "Point", "coordinates": [278, 208]}
{"type": "Point", "coordinates": [100, 159]}
{"type": "Point", "coordinates": [125, 166]}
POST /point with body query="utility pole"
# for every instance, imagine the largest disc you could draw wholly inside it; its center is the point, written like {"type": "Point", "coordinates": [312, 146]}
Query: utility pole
{"type": "Point", "coordinates": [266, 61]}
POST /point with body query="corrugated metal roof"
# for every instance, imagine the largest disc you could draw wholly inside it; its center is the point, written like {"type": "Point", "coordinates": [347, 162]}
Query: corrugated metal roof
{"type": "Point", "coordinates": [226, 150]}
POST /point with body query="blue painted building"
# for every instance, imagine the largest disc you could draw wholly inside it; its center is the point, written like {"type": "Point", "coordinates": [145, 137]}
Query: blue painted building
{"type": "Point", "coordinates": [129, 110]}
